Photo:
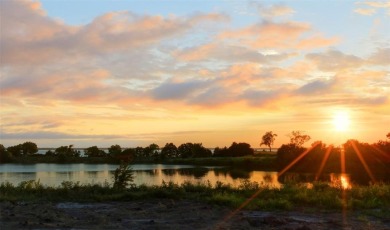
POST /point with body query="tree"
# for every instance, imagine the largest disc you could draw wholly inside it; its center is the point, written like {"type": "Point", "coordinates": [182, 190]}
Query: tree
{"type": "Point", "coordinates": [298, 139]}
{"type": "Point", "coordinates": [169, 150]}
{"type": "Point", "coordinates": [94, 151]}
{"type": "Point", "coordinates": [268, 139]}
{"type": "Point", "coordinates": [66, 151]}
{"type": "Point", "coordinates": [123, 176]}
{"type": "Point", "coordinates": [15, 150]}
{"type": "Point", "coordinates": [151, 150]}
{"type": "Point", "coordinates": [198, 150]}
{"type": "Point", "coordinates": [115, 150]}
{"type": "Point", "coordinates": [29, 148]}
{"type": "Point", "coordinates": [388, 135]}
{"type": "Point", "coordinates": [240, 149]}
{"type": "Point", "coordinates": [5, 156]}
{"type": "Point", "coordinates": [185, 150]}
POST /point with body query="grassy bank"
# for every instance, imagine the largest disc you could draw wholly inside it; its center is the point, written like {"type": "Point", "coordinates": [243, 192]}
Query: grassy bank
{"type": "Point", "coordinates": [289, 197]}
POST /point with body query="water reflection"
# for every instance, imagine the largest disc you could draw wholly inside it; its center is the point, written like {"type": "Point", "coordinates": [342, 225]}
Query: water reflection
{"type": "Point", "coordinates": [154, 174]}
{"type": "Point", "coordinates": [335, 180]}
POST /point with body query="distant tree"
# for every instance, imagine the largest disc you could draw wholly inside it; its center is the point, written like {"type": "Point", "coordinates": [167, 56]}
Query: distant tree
{"type": "Point", "coordinates": [139, 151]}
{"type": "Point", "coordinates": [298, 139]}
{"type": "Point", "coordinates": [240, 149]}
{"type": "Point", "coordinates": [151, 150]}
{"type": "Point", "coordinates": [221, 152]}
{"type": "Point", "coordinates": [49, 153]}
{"type": "Point", "coordinates": [5, 156]}
{"type": "Point", "coordinates": [126, 155]}
{"type": "Point", "coordinates": [15, 150]}
{"type": "Point", "coordinates": [268, 139]}
{"type": "Point", "coordinates": [169, 150]}
{"type": "Point", "coordinates": [388, 136]}
{"type": "Point", "coordinates": [198, 150]}
{"type": "Point", "coordinates": [29, 148]}
{"type": "Point", "coordinates": [66, 151]}
{"type": "Point", "coordinates": [2, 149]}
{"type": "Point", "coordinates": [114, 150]}
{"type": "Point", "coordinates": [287, 153]}
{"type": "Point", "coordinates": [185, 150]}
{"type": "Point", "coordinates": [94, 151]}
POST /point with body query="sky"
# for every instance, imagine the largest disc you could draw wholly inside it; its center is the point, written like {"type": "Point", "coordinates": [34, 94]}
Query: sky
{"type": "Point", "coordinates": [133, 73]}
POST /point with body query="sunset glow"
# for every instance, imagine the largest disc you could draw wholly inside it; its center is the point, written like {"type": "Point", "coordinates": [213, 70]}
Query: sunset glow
{"type": "Point", "coordinates": [341, 121]}
{"type": "Point", "coordinates": [139, 72]}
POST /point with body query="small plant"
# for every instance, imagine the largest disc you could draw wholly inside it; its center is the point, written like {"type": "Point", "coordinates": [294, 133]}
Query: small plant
{"type": "Point", "coordinates": [123, 176]}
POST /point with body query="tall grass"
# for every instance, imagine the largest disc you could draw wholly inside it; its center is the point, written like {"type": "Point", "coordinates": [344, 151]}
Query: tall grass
{"type": "Point", "coordinates": [290, 196]}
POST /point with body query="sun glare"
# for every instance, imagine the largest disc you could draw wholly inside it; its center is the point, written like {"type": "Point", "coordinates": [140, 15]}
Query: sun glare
{"type": "Point", "coordinates": [341, 121]}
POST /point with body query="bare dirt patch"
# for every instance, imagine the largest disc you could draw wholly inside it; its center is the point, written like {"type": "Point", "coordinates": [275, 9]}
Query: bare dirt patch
{"type": "Point", "coordinates": [172, 214]}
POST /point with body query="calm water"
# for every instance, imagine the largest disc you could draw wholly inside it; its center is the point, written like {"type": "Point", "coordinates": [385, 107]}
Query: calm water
{"type": "Point", "coordinates": [150, 174]}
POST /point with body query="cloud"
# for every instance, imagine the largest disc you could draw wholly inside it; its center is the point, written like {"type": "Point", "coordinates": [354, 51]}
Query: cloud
{"type": "Point", "coordinates": [272, 11]}
{"type": "Point", "coordinates": [373, 7]}
{"type": "Point", "coordinates": [177, 91]}
{"type": "Point", "coordinates": [261, 97]}
{"type": "Point", "coordinates": [35, 135]}
{"type": "Point", "coordinates": [367, 12]}
{"type": "Point", "coordinates": [218, 51]}
{"type": "Point", "coordinates": [40, 39]}
{"type": "Point", "coordinates": [279, 35]}
{"type": "Point", "coordinates": [316, 87]}
{"type": "Point", "coordinates": [380, 57]}
{"type": "Point", "coordinates": [334, 60]}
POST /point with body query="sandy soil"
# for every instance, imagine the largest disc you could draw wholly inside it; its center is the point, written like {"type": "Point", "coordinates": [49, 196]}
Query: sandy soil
{"type": "Point", "coordinates": [171, 214]}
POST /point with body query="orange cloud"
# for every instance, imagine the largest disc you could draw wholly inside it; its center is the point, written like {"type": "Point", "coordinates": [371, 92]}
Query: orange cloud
{"type": "Point", "coordinates": [290, 35]}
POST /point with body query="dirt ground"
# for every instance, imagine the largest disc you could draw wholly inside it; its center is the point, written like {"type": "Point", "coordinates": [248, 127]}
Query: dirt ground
{"type": "Point", "coordinates": [171, 214]}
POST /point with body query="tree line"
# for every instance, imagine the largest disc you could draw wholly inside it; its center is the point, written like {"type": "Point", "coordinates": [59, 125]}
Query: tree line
{"type": "Point", "coordinates": [358, 156]}
{"type": "Point", "coordinates": [153, 151]}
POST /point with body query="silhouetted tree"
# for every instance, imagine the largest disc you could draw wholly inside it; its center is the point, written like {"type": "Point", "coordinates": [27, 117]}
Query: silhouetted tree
{"type": "Point", "coordinates": [388, 136]}
{"type": "Point", "coordinates": [220, 152]}
{"type": "Point", "coordinates": [268, 139]}
{"type": "Point", "coordinates": [29, 148]}
{"type": "Point", "coordinates": [94, 151]}
{"type": "Point", "coordinates": [139, 151]}
{"type": "Point", "coordinates": [193, 150]}
{"type": "Point", "coordinates": [151, 150]}
{"type": "Point", "coordinates": [15, 150]}
{"type": "Point", "coordinates": [298, 139]}
{"type": "Point", "coordinates": [287, 153]}
{"type": "Point", "coordinates": [66, 151]}
{"type": "Point", "coordinates": [185, 150]}
{"type": "Point", "coordinates": [49, 153]}
{"type": "Point", "coordinates": [169, 150]}
{"type": "Point", "coordinates": [114, 150]}
{"type": "Point", "coordinates": [126, 155]}
{"type": "Point", "coordinates": [240, 149]}
{"type": "Point", "coordinates": [123, 175]}
{"type": "Point", "coordinates": [5, 156]}
{"type": "Point", "coordinates": [199, 151]}
{"type": "Point", "coordinates": [235, 150]}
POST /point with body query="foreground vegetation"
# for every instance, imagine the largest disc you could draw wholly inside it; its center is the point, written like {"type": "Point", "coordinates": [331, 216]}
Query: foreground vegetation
{"type": "Point", "coordinates": [289, 197]}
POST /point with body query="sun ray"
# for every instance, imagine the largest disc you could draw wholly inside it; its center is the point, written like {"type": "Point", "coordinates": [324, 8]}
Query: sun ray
{"type": "Point", "coordinates": [233, 213]}
{"type": "Point", "coordinates": [324, 160]}
{"type": "Point", "coordinates": [381, 152]}
{"type": "Point", "coordinates": [342, 159]}
{"type": "Point", "coordinates": [359, 154]}
{"type": "Point", "coordinates": [296, 160]}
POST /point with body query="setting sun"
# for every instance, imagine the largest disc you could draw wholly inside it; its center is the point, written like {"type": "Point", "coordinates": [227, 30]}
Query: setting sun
{"type": "Point", "coordinates": [341, 121]}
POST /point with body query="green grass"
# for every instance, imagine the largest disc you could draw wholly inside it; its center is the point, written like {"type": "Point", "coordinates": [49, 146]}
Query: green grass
{"type": "Point", "coordinates": [290, 196]}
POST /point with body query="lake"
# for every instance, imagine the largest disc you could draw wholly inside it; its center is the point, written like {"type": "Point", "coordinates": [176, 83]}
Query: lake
{"type": "Point", "coordinates": [150, 174]}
